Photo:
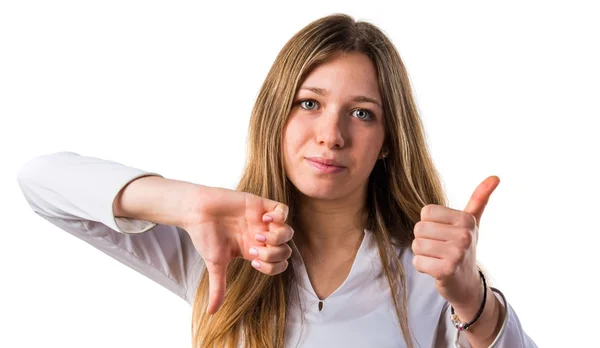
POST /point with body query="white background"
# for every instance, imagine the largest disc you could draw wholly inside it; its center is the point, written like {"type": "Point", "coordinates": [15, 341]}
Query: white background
{"type": "Point", "coordinates": [505, 89]}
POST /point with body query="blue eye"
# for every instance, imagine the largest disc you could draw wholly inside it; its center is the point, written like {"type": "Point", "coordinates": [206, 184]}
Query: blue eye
{"type": "Point", "coordinates": [308, 104]}
{"type": "Point", "coordinates": [363, 114]}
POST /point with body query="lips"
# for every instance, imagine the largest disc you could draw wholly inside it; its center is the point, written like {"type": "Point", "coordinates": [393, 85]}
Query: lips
{"type": "Point", "coordinates": [325, 165]}
{"type": "Point", "coordinates": [325, 161]}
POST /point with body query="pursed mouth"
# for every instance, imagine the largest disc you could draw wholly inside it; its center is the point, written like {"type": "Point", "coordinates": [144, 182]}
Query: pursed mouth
{"type": "Point", "coordinates": [325, 161]}
{"type": "Point", "coordinates": [324, 167]}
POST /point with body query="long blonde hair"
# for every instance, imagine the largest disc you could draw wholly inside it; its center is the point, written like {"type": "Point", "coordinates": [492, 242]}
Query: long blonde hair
{"type": "Point", "coordinates": [255, 307]}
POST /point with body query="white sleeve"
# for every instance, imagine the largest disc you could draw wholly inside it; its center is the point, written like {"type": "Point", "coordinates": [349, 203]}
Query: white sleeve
{"type": "Point", "coordinates": [76, 193]}
{"type": "Point", "coordinates": [511, 334]}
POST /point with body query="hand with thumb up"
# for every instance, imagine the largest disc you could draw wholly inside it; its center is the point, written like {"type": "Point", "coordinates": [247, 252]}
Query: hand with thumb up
{"type": "Point", "coordinates": [445, 246]}
{"type": "Point", "coordinates": [225, 224]}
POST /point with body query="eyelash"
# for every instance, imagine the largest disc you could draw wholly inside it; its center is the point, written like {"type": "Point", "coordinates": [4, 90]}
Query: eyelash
{"type": "Point", "coordinates": [370, 118]}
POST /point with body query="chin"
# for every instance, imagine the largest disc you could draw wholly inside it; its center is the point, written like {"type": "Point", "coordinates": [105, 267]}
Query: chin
{"type": "Point", "coordinates": [321, 190]}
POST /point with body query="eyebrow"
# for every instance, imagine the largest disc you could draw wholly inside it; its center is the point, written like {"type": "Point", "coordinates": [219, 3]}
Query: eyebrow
{"type": "Point", "coordinates": [358, 98]}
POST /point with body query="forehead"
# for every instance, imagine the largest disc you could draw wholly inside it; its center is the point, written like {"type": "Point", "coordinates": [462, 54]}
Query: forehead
{"type": "Point", "coordinates": [345, 73]}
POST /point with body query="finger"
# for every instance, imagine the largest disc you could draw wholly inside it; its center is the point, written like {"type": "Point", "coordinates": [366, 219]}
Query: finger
{"type": "Point", "coordinates": [481, 196]}
{"type": "Point", "coordinates": [271, 253]}
{"type": "Point", "coordinates": [216, 286]}
{"type": "Point", "coordinates": [437, 268]}
{"type": "Point", "coordinates": [428, 247]}
{"type": "Point", "coordinates": [276, 211]}
{"type": "Point", "coordinates": [270, 268]}
{"type": "Point", "coordinates": [442, 214]}
{"type": "Point", "coordinates": [437, 231]}
{"type": "Point", "coordinates": [276, 216]}
{"type": "Point", "coordinates": [437, 249]}
{"type": "Point", "coordinates": [275, 227]}
{"type": "Point", "coordinates": [279, 235]}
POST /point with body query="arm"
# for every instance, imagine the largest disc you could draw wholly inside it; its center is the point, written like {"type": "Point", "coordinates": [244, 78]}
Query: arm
{"type": "Point", "coordinates": [77, 193]}
{"type": "Point", "coordinates": [156, 199]}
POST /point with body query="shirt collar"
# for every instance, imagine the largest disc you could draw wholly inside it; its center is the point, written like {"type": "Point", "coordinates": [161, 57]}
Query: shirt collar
{"type": "Point", "coordinates": [365, 268]}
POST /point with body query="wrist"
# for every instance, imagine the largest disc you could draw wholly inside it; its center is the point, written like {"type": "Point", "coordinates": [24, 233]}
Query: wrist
{"type": "Point", "coordinates": [468, 311]}
{"type": "Point", "coordinates": [469, 299]}
{"type": "Point", "coordinates": [485, 324]}
{"type": "Point", "coordinates": [484, 331]}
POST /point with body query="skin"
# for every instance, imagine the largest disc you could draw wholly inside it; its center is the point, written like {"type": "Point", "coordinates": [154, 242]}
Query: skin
{"type": "Point", "coordinates": [445, 248]}
{"type": "Point", "coordinates": [327, 122]}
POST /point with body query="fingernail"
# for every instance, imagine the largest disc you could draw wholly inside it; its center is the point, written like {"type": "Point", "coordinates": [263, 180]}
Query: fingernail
{"type": "Point", "coordinates": [261, 238]}
{"type": "Point", "coordinates": [267, 218]}
{"type": "Point", "coordinates": [253, 252]}
{"type": "Point", "coordinates": [255, 264]}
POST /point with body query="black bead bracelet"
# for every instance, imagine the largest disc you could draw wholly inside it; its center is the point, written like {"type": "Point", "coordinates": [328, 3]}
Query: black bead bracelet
{"type": "Point", "coordinates": [464, 326]}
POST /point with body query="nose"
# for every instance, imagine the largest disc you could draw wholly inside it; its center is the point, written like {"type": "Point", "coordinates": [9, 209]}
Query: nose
{"type": "Point", "coordinates": [329, 129]}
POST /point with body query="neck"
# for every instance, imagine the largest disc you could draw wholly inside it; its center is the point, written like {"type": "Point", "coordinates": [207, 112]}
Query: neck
{"type": "Point", "coordinates": [329, 227]}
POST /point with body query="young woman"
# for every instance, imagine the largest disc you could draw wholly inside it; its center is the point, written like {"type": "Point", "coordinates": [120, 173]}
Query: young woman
{"type": "Point", "coordinates": [337, 235]}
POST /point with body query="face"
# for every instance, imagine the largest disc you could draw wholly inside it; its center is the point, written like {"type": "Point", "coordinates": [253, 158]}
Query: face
{"type": "Point", "coordinates": [334, 132]}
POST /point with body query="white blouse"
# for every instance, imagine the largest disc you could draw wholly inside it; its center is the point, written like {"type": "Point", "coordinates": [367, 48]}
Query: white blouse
{"type": "Point", "coordinates": [76, 193]}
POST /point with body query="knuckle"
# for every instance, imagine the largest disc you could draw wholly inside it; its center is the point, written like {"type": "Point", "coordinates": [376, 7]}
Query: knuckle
{"type": "Point", "coordinates": [277, 254]}
{"type": "Point", "coordinates": [268, 256]}
{"type": "Point", "coordinates": [284, 265]}
{"type": "Point", "coordinates": [271, 238]}
{"type": "Point", "coordinates": [281, 253]}
{"type": "Point", "coordinates": [447, 270]}
{"type": "Point", "coordinates": [279, 267]}
{"type": "Point", "coordinates": [467, 220]}
{"type": "Point", "coordinates": [464, 237]}
{"type": "Point", "coordinates": [284, 234]}
{"type": "Point", "coordinates": [281, 216]}
{"type": "Point", "coordinates": [419, 228]}
{"type": "Point", "coordinates": [415, 245]}
{"type": "Point", "coordinates": [267, 268]}
{"type": "Point", "coordinates": [284, 210]}
{"type": "Point", "coordinates": [456, 256]}
{"type": "Point", "coordinates": [273, 268]}
{"type": "Point", "coordinates": [416, 262]}
{"type": "Point", "coordinates": [420, 245]}
{"type": "Point", "coordinates": [426, 211]}
{"type": "Point", "coordinates": [280, 237]}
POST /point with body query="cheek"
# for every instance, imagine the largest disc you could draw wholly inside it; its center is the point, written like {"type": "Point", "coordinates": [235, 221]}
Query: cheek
{"type": "Point", "coordinates": [294, 135]}
{"type": "Point", "coordinates": [288, 147]}
{"type": "Point", "coordinates": [370, 144]}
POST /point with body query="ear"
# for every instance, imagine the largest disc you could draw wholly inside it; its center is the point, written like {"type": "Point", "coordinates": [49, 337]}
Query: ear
{"type": "Point", "coordinates": [384, 152]}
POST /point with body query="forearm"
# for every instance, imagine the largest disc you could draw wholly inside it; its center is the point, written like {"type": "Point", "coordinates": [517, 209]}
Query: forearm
{"type": "Point", "coordinates": [156, 199]}
{"type": "Point", "coordinates": [483, 332]}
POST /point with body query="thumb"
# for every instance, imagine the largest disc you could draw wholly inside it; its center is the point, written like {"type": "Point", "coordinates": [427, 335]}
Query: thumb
{"type": "Point", "coordinates": [217, 275]}
{"type": "Point", "coordinates": [481, 196]}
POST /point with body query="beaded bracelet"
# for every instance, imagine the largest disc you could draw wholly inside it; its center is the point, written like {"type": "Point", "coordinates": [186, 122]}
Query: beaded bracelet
{"type": "Point", "coordinates": [464, 326]}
